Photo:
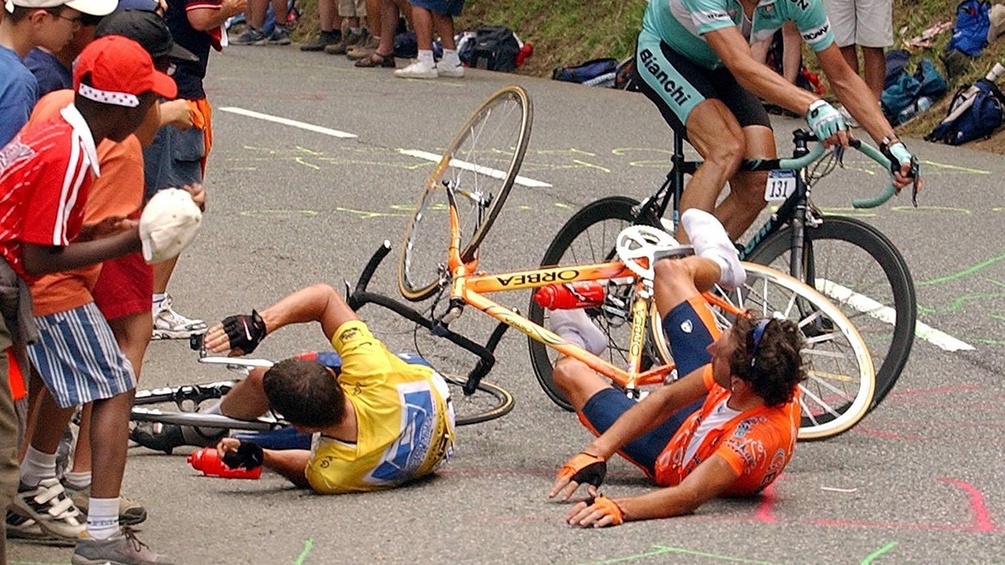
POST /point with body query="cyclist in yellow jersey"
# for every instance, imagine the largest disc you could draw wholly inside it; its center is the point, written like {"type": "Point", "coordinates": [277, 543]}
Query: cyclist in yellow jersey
{"type": "Point", "coordinates": [378, 423]}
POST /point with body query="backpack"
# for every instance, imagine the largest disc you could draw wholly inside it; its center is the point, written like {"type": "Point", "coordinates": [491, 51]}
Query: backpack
{"type": "Point", "coordinates": [494, 48]}
{"type": "Point", "coordinates": [626, 76]}
{"type": "Point", "coordinates": [970, 117]}
{"type": "Point", "coordinates": [908, 89]}
{"type": "Point", "coordinates": [596, 72]}
{"type": "Point", "coordinates": [970, 34]}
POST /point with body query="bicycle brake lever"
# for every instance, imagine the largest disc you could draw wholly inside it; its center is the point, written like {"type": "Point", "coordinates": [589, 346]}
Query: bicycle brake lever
{"type": "Point", "coordinates": [839, 151]}
{"type": "Point", "coordinates": [916, 175]}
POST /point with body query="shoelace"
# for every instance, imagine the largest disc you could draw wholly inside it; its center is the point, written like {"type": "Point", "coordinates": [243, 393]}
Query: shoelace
{"type": "Point", "coordinates": [130, 535]}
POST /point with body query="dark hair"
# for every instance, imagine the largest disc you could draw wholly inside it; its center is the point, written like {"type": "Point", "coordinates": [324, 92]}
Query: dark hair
{"type": "Point", "coordinates": [21, 13]}
{"type": "Point", "coordinates": [772, 365]}
{"type": "Point", "coordinates": [305, 393]}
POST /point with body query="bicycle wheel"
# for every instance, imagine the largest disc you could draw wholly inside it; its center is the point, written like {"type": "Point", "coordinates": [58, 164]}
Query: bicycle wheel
{"type": "Point", "coordinates": [479, 166]}
{"type": "Point", "coordinates": [840, 379]}
{"type": "Point", "coordinates": [589, 237]}
{"type": "Point", "coordinates": [489, 401]}
{"type": "Point", "coordinates": [859, 269]}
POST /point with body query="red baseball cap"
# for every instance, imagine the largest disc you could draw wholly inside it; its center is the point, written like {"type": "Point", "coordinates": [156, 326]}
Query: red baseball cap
{"type": "Point", "coordinates": [120, 71]}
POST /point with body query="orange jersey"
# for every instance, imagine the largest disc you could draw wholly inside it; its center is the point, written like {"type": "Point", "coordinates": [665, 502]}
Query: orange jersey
{"type": "Point", "coordinates": [757, 443]}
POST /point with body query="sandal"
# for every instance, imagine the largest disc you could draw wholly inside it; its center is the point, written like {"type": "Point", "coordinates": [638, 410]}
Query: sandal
{"type": "Point", "coordinates": [377, 60]}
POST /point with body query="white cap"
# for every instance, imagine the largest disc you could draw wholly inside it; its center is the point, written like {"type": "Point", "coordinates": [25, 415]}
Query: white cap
{"type": "Point", "coordinates": [168, 224]}
{"type": "Point", "coordinates": [89, 7]}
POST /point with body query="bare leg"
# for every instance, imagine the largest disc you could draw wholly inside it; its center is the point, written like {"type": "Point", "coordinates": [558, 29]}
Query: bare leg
{"type": "Point", "coordinates": [445, 28]}
{"type": "Point", "coordinates": [163, 270]}
{"type": "Point", "coordinates": [328, 13]}
{"type": "Point", "coordinates": [874, 62]}
{"type": "Point", "coordinates": [422, 19]}
{"type": "Point", "coordinates": [109, 442]}
{"type": "Point", "coordinates": [282, 11]}
{"type": "Point", "coordinates": [746, 189]}
{"type": "Point", "coordinates": [850, 57]}
{"type": "Point", "coordinates": [255, 16]}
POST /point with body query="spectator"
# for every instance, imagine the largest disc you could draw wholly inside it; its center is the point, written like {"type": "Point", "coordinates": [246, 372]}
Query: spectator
{"type": "Point", "coordinates": [178, 158]}
{"type": "Point", "coordinates": [792, 58]}
{"type": "Point", "coordinates": [254, 30]}
{"type": "Point", "coordinates": [427, 15]}
{"type": "Point", "coordinates": [27, 24]}
{"type": "Point", "coordinates": [350, 12]}
{"type": "Point", "coordinates": [52, 70]}
{"type": "Point", "coordinates": [116, 89]}
{"type": "Point", "coordinates": [867, 24]}
{"type": "Point", "coordinates": [331, 27]}
{"type": "Point", "coordinates": [383, 53]}
{"type": "Point", "coordinates": [373, 18]}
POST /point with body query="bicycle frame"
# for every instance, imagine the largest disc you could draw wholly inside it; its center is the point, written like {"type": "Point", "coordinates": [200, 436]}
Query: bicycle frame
{"type": "Point", "coordinates": [467, 287]}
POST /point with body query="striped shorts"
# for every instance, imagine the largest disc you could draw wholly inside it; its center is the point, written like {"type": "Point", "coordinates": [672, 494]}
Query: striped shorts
{"type": "Point", "coordinates": [78, 358]}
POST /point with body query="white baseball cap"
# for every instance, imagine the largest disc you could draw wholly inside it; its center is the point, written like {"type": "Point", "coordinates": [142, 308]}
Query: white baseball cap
{"type": "Point", "coordinates": [89, 7]}
{"type": "Point", "coordinates": [168, 224]}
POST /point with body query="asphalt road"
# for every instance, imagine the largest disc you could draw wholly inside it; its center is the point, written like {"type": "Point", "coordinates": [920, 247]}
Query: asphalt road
{"type": "Point", "coordinates": [919, 481]}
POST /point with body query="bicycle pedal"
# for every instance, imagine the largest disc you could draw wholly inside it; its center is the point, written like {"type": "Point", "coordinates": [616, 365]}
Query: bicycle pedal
{"type": "Point", "coordinates": [638, 243]}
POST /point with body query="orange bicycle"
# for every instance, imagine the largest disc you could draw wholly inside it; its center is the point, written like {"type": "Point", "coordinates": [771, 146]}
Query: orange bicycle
{"type": "Point", "coordinates": [462, 199]}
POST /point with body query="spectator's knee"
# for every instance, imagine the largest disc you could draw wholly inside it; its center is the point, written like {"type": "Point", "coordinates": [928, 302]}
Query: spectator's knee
{"type": "Point", "coordinates": [565, 371]}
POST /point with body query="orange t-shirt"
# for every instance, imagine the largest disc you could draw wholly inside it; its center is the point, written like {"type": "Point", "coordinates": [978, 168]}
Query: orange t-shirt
{"type": "Point", "coordinates": [757, 443]}
{"type": "Point", "coordinates": [118, 191]}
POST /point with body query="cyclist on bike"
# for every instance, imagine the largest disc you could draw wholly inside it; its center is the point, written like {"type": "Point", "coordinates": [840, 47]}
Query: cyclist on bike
{"type": "Point", "coordinates": [377, 420]}
{"type": "Point", "coordinates": [727, 427]}
{"type": "Point", "coordinates": [695, 64]}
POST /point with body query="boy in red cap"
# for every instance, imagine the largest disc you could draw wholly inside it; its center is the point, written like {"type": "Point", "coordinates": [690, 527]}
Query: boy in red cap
{"type": "Point", "coordinates": [45, 175]}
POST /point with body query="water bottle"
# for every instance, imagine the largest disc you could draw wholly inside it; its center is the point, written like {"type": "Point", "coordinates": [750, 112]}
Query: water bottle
{"type": "Point", "coordinates": [567, 296]}
{"type": "Point", "coordinates": [207, 461]}
{"type": "Point", "coordinates": [920, 105]}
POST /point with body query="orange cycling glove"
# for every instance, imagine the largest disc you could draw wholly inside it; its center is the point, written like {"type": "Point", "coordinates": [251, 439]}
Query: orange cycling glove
{"type": "Point", "coordinates": [609, 508]}
{"type": "Point", "coordinates": [585, 468]}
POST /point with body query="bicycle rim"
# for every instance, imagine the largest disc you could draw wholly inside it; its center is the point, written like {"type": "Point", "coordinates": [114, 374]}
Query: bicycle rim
{"type": "Point", "coordinates": [488, 402]}
{"type": "Point", "coordinates": [840, 379]}
{"type": "Point", "coordinates": [589, 237]}
{"type": "Point", "coordinates": [862, 272]}
{"type": "Point", "coordinates": [480, 165]}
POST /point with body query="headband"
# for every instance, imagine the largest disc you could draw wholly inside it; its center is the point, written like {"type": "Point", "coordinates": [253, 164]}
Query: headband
{"type": "Point", "coordinates": [758, 333]}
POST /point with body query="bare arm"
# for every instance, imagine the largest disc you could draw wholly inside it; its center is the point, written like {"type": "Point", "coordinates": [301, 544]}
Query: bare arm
{"type": "Point", "coordinates": [204, 19]}
{"type": "Point", "coordinates": [318, 303]}
{"type": "Point", "coordinates": [290, 463]}
{"type": "Point", "coordinates": [729, 44]}
{"type": "Point", "coordinates": [45, 259]}
{"type": "Point", "coordinates": [710, 479]}
{"type": "Point", "coordinates": [852, 91]}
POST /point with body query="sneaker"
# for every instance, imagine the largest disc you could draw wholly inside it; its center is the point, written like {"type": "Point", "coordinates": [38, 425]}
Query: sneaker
{"type": "Point", "coordinates": [166, 437]}
{"type": "Point", "coordinates": [280, 36]}
{"type": "Point", "coordinates": [169, 324]}
{"type": "Point", "coordinates": [325, 39]}
{"type": "Point", "coordinates": [19, 527]}
{"type": "Point", "coordinates": [121, 549]}
{"type": "Point", "coordinates": [348, 40]}
{"type": "Point", "coordinates": [445, 69]}
{"type": "Point", "coordinates": [48, 505]}
{"type": "Point", "coordinates": [250, 36]}
{"type": "Point", "coordinates": [363, 48]}
{"type": "Point", "coordinates": [130, 511]}
{"type": "Point", "coordinates": [417, 70]}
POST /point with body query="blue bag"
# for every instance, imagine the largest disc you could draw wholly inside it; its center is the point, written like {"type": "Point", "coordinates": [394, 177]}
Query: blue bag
{"type": "Point", "coordinates": [596, 72]}
{"type": "Point", "coordinates": [907, 89]}
{"type": "Point", "coordinates": [984, 115]}
{"type": "Point", "coordinates": [970, 34]}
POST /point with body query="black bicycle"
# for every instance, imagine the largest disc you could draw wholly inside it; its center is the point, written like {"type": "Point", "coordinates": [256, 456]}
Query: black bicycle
{"type": "Point", "coordinates": [846, 259]}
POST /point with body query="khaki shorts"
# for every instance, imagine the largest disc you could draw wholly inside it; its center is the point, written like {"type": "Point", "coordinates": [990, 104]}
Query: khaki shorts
{"type": "Point", "coordinates": [868, 23]}
{"type": "Point", "coordinates": [352, 8]}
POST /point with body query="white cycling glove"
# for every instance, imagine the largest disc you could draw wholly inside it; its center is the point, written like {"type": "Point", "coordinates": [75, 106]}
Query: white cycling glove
{"type": "Point", "coordinates": [824, 120]}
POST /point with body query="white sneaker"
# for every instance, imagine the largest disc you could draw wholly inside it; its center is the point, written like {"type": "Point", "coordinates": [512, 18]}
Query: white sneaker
{"type": "Point", "coordinates": [169, 324]}
{"type": "Point", "coordinates": [445, 69]}
{"type": "Point", "coordinates": [51, 508]}
{"type": "Point", "coordinates": [417, 70]}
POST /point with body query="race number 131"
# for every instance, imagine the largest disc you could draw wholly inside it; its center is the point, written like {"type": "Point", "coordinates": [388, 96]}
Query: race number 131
{"type": "Point", "coordinates": [781, 183]}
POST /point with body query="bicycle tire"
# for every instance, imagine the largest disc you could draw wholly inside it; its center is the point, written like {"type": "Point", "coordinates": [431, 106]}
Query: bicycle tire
{"type": "Point", "coordinates": [841, 379]}
{"type": "Point", "coordinates": [595, 227]}
{"type": "Point", "coordinates": [890, 284]}
{"type": "Point", "coordinates": [497, 131]}
{"type": "Point", "coordinates": [501, 402]}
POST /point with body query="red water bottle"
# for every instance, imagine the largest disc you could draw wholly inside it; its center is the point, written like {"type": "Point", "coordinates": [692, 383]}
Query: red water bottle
{"type": "Point", "coordinates": [207, 461]}
{"type": "Point", "coordinates": [525, 51]}
{"type": "Point", "coordinates": [580, 294]}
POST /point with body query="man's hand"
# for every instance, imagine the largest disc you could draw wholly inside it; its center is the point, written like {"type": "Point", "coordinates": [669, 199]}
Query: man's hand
{"type": "Point", "coordinates": [176, 113]}
{"type": "Point", "coordinates": [827, 124]}
{"type": "Point", "coordinates": [582, 468]}
{"type": "Point", "coordinates": [236, 335]}
{"type": "Point", "coordinates": [596, 513]}
{"type": "Point", "coordinates": [238, 454]}
{"type": "Point", "coordinates": [904, 167]}
{"type": "Point", "coordinates": [198, 194]}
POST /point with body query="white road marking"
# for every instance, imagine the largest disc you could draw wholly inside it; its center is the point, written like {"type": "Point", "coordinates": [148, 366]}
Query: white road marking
{"type": "Point", "coordinates": [288, 122]}
{"type": "Point", "coordinates": [523, 181]}
{"type": "Point", "coordinates": [886, 314]}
